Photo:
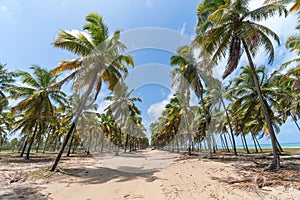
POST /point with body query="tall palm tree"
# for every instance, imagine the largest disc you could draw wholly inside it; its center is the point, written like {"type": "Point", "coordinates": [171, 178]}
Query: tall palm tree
{"type": "Point", "coordinates": [246, 106]}
{"type": "Point", "coordinates": [176, 121]}
{"type": "Point", "coordinates": [6, 80]}
{"type": "Point", "coordinates": [286, 98]}
{"type": "Point", "coordinates": [99, 60]}
{"type": "Point", "coordinates": [37, 100]}
{"type": "Point", "coordinates": [88, 115]}
{"type": "Point", "coordinates": [293, 43]}
{"type": "Point", "coordinates": [293, 75]}
{"type": "Point", "coordinates": [123, 109]}
{"type": "Point", "coordinates": [235, 29]}
{"type": "Point", "coordinates": [189, 74]}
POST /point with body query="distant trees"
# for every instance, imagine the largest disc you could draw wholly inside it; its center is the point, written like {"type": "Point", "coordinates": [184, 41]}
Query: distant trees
{"type": "Point", "coordinates": [37, 103]}
{"type": "Point", "coordinates": [252, 103]}
{"type": "Point", "coordinates": [255, 103]}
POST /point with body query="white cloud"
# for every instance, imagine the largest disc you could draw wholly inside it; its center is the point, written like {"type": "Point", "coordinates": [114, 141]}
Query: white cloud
{"type": "Point", "coordinates": [8, 10]}
{"type": "Point", "coordinates": [3, 8]}
{"type": "Point", "coordinates": [182, 30]}
{"type": "Point", "coordinates": [155, 110]}
{"type": "Point", "coordinates": [148, 4]}
{"type": "Point", "coordinates": [5, 13]}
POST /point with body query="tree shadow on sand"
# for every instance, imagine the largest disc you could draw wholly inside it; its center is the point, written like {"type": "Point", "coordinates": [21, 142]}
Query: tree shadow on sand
{"type": "Point", "coordinates": [22, 192]}
{"type": "Point", "coordinates": [102, 174]}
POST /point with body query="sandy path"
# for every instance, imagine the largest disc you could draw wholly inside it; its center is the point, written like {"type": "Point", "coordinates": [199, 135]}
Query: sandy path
{"type": "Point", "coordinates": [149, 174]}
{"type": "Point", "coordinates": [128, 176]}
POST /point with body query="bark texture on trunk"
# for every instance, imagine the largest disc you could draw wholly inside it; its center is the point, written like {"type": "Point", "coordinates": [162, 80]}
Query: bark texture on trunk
{"type": "Point", "coordinates": [276, 161]}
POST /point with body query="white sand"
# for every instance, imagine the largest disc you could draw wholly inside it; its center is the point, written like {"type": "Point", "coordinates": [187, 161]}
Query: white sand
{"type": "Point", "coordinates": [150, 174]}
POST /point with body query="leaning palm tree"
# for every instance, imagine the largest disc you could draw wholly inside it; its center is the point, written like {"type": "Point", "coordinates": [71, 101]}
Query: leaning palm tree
{"type": "Point", "coordinates": [99, 60]}
{"type": "Point", "coordinates": [37, 101]}
{"type": "Point", "coordinates": [235, 29]}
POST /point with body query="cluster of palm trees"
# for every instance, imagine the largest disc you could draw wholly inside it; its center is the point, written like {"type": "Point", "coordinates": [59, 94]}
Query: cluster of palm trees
{"type": "Point", "coordinates": [44, 115]}
{"type": "Point", "coordinates": [252, 103]}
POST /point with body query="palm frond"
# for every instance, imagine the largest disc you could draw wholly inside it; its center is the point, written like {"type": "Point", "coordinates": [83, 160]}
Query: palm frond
{"type": "Point", "coordinates": [267, 11]}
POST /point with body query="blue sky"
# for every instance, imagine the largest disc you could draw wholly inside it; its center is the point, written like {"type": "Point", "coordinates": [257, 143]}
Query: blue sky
{"type": "Point", "coordinates": [29, 27]}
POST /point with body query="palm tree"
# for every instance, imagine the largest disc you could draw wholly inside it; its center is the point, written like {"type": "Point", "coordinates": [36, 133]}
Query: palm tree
{"type": "Point", "coordinates": [233, 30]}
{"type": "Point", "coordinates": [246, 107]}
{"type": "Point", "coordinates": [189, 74]}
{"type": "Point", "coordinates": [176, 121]}
{"type": "Point", "coordinates": [87, 118]}
{"type": "Point", "coordinates": [37, 101]}
{"type": "Point", "coordinates": [286, 98]}
{"type": "Point", "coordinates": [293, 43]}
{"type": "Point", "coordinates": [6, 80]}
{"type": "Point", "coordinates": [123, 109]}
{"type": "Point", "coordinates": [99, 60]}
{"type": "Point", "coordinates": [107, 126]}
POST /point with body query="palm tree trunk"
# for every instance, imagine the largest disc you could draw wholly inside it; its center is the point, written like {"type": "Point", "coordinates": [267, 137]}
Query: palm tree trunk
{"type": "Point", "coordinates": [254, 143]}
{"type": "Point", "coordinates": [38, 146]}
{"type": "Point", "coordinates": [246, 145]}
{"type": "Point", "coordinates": [222, 142]}
{"type": "Point", "coordinates": [215, 147]}
{"type": "Point", "coordinates": [126, 142]}
{"type": "Point", "coordinates": [74, 149]}
{"type": "Point", "coordinates": [188, 132]}
{"type": "Point", "coordinates": [276, 160]}
{"type": "Point", "coordinates": [243, 143]}
{"type": "Point", "coordinates": [279, 146]}
{"type": "Point", "coordinates": [70, 145]}
{"type": "Point", "coordinates": [31, 142]}
{"type": "Point", "coordinates": [55, 143]}
{"type": "Point", "coordinates": [206, 116]}
{"type": "Point", "coordinates": [78, 113]}
{"type": "Point", "coordinates": [295, 121]}
{"type": "Point", "coordinates": [258, 145]}
{"type": "Point", "coordinates": [230, 140]}
{"type": "Point", "coordinates": [1, 141]}
{"type": "Point", "coordinates": [226, 143]}
{"type": "Point", "coordinates": [46, 142]}
{"type": "Point", "coordinates": [230, 127]}
{"type": "Point", "coordinates": [102, 142]}
{"type": "Point", "coordinates": [119, 142]}
{"type": "Point", "coordinates": [177, 144]}
{"type": "Point", "coordinates": [24, 146]}
{"type": "Point", "coordinates": [64, 144]}
{"type": "Point", "coordinates": [20, 146]}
